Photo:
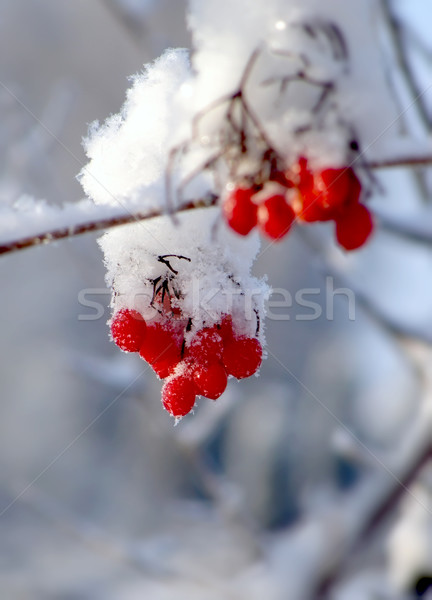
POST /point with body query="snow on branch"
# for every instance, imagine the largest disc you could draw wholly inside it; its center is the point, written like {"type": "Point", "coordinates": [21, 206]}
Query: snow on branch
{"type": "Point", "coordinates": [41, 223]}
{"type": "Point", "coordinates": [30, 223]}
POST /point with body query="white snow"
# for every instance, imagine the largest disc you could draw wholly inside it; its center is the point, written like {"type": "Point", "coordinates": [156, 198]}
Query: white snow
{"type": "Point", "coordinates": [29, 217]}
{"type": "Point", "coordinates": [212, 263]}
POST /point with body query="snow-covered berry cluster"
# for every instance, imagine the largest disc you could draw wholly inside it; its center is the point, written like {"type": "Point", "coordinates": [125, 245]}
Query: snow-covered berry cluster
{"type": "Point", "coordinates": [200, 367]}
{"type": "Point", "coordinates": [195, 314]}
{"type": "Point", "coordinates": [303, 194]}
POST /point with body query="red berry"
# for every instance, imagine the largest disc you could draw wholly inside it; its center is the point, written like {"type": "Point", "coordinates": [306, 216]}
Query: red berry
{"type": "Point", "coordinates": [128, 330]}
{"type": "Point", "coordinates": [306, 205]}
{"type": "Point", "coordinates": [332, 187]}
{"type": "Point", "coordinates": [211, 380]}
{"type": "Point", "coordinates": [337, 187]}
{"type": "Point", "coordinates": [225, 328]}
{"type": "Point", "coordinates": [275, 216]}
{"type": "Point", "coordinates": [242, 357]}
{"type": "Point", "coordinates": [178, 395]}
{"type": "Point", "coordinates": [355, 186]}
{"type": "Point", "coordinates": [206, 347]}
{"type": "Point", "coordinates": [302, 175]}
{"type": "Point", "coordinates": [325, 192]}
{"type": "Point", "coordinates": [353, 226]}
{"type": "Point", "coordinates": [310, 209]}
{"type": "Point", "coordinates": [162, 348]}
{"type": "Point", "coordinates": [240, 211]}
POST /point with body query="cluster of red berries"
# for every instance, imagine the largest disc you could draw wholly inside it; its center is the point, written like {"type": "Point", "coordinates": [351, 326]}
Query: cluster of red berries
{"type": "Point", "coordinates": [324, 195]}
{"type": "Point", "coordinates": [200, 368]}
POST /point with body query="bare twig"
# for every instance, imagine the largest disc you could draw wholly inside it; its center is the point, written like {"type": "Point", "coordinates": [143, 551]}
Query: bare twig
{"type": "Point", "coordinates": [395, 30]}
{"type": "Point", "coordinates": [95, 225]}
{"type": "Point", "coordinates": [404, 161]}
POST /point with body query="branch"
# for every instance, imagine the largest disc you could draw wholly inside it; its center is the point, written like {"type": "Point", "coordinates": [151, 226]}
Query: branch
{"type": "Point", "coordinates": [96, 225]}
{"type": "Point", "coordinates": [100, 224]}
{"type": "Point", "coordinates": [404, 162]}
{"type": "Point", "coordinates": [396, 34]}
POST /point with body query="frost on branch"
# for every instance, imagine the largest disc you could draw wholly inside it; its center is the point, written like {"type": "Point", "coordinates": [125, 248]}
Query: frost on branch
{"type": "Point", "coordinates": [266, 118]}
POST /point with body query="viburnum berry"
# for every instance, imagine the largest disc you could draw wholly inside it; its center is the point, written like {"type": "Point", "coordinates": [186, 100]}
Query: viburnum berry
{"type": "Point", "coordinates": [242, 357]}
{"type": "Point", "coordinates": [240, 211]}
{"type": "Point", "coordinates": [210, 381]}
{"type": "Point", "coordinates": [225, 328]}
{"type": "Point", "coordinates": [306, 204]}
{"type": "Point", "coordinates": [323, 193]}
{"type": "Point", "coordinates": [161, 347]}
{"type": "Point", "coordinates": [178, 395]}
{"type": "Point", "coordinates": [128, 330]}
{"type": "Point", "coordinates": [206, 346]}
{"type": "Point", "coordinates": [337, 187]}
{"type": "Point", "coordinates": [354, 226]}
{"type": "Point", "coordinates": [275, 216]}
{"type": "Point", "coordinates": [302, 175]}
{"type": "Point", "coordinates": [332, 187]}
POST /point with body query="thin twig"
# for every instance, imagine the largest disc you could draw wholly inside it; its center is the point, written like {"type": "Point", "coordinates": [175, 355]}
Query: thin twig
{"type": "Point", "coordinates": [95, 225]}
{"type": "Point", "coordinates": [395, 29]}
{"type": "Point", "coordinates": [405, 161]}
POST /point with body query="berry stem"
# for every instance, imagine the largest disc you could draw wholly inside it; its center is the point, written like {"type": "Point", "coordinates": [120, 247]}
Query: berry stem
{"type": "Point", "coordinates": [404, 162]}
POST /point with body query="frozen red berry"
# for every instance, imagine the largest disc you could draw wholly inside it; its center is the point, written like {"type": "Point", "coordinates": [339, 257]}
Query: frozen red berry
{"type": "Point", "coordinates": [306, 204]}
{"type": "Point", "coordinates": [332, 187]}
{"type": "Point", "coordinates": [206, 346]}
{"type": "Point", "coordinates": [128, 330]}
{"type": "Point", "coordinates": [336, 187]}
{"type": "Point", "coordinates": [302, 175]}
{"type": "Point", "coordinates": [240, 211]}
{"type": "Point", "coordinates": [211, 380]}
{"type": "Point", "coordinates": [242, 357]}
{"type": "Point", "coordinates": [161, 347]}
{"type": "Point", "coordinates": [225, 328]}
{"type": "Point", "coordinates": [324, 193]}
{"type": "Point", "coordinates": [354, 226]}
{"type": "Point", "coordinates": [178, 395]}
{"type": "Point", "coordinates": [310, 209]}
{"type": "Point", "coordinates": [275, 216]}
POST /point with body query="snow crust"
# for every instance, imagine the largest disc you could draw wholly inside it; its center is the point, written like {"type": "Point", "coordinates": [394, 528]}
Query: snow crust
{"type": "Point", "coordinates": [212, 267]}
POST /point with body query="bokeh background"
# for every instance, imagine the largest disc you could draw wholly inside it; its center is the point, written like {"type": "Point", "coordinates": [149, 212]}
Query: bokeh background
{"type": "Point", "coordinates": [100, 496]}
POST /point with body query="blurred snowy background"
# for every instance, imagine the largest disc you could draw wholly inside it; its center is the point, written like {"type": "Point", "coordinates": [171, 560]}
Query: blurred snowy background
{"type": "Point", "coordinates": [291, 485]}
